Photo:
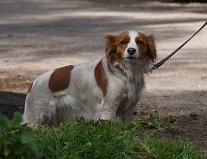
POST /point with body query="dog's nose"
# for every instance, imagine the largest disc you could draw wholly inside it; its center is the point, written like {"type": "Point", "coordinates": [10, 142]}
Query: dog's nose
{"type": "Point", "coordinates": [131, 51]}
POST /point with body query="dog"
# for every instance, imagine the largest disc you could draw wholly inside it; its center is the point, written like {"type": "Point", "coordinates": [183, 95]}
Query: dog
{"type": "Point", "coordinates": [103, 89]}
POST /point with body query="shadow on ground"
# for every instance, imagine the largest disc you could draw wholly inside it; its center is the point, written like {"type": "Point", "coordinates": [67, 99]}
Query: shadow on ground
{"type": "Point", "coordinates": [11, 103]}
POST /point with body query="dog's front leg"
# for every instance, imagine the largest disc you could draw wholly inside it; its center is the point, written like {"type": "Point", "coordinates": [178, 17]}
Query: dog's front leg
{"type": "Point", "coordinates": [106, 110]}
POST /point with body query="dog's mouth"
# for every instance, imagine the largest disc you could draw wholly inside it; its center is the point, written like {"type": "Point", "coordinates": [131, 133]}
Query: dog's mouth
{"type": "Point", "coordinates": [131, 59]}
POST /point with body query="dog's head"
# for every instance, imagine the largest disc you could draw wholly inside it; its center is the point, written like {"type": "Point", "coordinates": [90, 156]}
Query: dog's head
{"type": "Point", "coordinates": [130, 46]}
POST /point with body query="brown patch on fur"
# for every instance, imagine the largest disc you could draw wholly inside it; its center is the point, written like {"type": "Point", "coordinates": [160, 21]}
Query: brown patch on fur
{"type": "Point", "coordinates": [30, 87]}
{"type": "Point", "coordinates": [60, 78]}
{"type": "Point", "coordinates": [146, 46]}
{"type": "Point", "coordinates": [101, 78]}
{"type": "Point", "coordinates": [115, 46]}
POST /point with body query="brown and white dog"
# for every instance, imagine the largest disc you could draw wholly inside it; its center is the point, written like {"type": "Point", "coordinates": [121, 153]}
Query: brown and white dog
{"type": "Point", "coordinates": [102, 89]}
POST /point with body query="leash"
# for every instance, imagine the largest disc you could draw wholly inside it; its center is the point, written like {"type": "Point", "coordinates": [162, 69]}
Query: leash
{"type": "Point", "coordinates": [157, 65]}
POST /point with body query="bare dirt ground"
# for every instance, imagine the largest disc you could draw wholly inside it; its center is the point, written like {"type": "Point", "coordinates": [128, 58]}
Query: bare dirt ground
{"type": "Point", "coordinates": [36, 36]}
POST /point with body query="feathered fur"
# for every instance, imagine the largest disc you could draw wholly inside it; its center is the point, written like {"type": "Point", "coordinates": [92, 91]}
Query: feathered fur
{"type": "Point", "coordinates": [104, 89]}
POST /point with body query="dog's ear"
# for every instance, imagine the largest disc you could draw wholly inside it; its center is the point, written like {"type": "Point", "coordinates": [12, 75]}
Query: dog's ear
{"type": "Point", "coordinates": [110, 47]}
{"type": "Point", "coordinates": [110, 40]}
{"type": "Point", "coordinates": [151, 47]}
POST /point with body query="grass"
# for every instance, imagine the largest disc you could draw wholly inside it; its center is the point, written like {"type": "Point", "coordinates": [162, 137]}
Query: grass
{"type": "Point", "coordinates": [16, 140]}
{"type": "Point", "coordinates": [79, 139]}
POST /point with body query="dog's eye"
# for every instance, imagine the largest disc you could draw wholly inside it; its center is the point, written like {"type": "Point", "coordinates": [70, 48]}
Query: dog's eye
{"type": "Point", "coordinates": [123, 42]}
{"type": "Point", "coordinates": [140, 42]}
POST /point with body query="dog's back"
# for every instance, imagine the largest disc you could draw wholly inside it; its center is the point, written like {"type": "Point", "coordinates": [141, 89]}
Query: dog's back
{"type": "Point", "coordinates": [46, 105]}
